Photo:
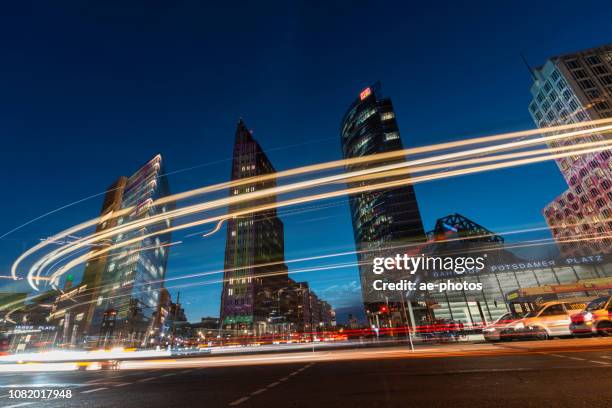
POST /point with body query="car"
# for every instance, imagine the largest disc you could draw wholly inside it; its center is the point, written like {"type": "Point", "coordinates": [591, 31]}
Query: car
{"type": "Point", "coordinates": [493, 331]}
{"type": "Point", "coordinates": [443, 330]}
{"type": "Point", "coordinates": [595, 319]}
{"type": "Point", "coordinates": [550, 319]}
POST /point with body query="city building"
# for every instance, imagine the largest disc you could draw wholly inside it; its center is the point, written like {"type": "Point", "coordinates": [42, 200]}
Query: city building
{"type": "Point", "coordinates": [574, 88]}
{"type": "Point", "coordinates": [255, 272]}
{"type": "Point", "coordinates": [258, 297]}
{"type": "Point", "coordinates": [503, 273]}
{"type": "Point", "coordinates": [162, 317]}
{"type": "Point", "coordinates": [382, 219]}
{"type": "Point", "coordinates": [118, 297]}
{"type": "Point", "coordinates": [10, 302]}
{"type": "Point", "coordinates": [306, 312]}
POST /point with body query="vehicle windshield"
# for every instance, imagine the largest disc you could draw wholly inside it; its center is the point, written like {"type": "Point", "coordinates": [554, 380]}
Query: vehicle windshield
{"type": "Point", "coordinates": [534, 312]}
{"type": "Point", "coordinates": [597, 304]}
{"type": "Point", "coordinates": [503, 319]}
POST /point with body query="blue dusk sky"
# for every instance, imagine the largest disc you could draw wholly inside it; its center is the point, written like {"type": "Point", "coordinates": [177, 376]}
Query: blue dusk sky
{"type": "Point", "coordinates": [91, 90]}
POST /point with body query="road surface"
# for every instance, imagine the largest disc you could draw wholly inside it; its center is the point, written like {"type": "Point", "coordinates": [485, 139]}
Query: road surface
{"type": "Point", "coordinates": [550, 373]}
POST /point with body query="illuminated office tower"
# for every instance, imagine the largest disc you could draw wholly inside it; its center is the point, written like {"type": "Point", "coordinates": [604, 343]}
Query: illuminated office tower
{"type": "Point", "coordinates": [250, 296]}
{"type": "Point", "coordinates": [134, 273]}
{"type": "Point", "coordinates": [94, 269]}
{"type": "Point", "coordinates": [381, 218]}
{"type": "Point", "coordinates": [574, 88]}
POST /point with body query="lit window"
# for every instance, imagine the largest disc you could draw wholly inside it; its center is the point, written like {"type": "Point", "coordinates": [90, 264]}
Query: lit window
{"type": "Point", "coordinates": [387, 115]}
{"type": "Point", "coordinates": [391, 136]}
{"type": "Point", "coordinates": [362, 142]}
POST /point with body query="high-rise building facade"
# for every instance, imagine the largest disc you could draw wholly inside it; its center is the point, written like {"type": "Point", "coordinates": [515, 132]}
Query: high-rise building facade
{"type": "Point", "coordinates": [575, 88]}
{"type": "Point", "coordinates": [381, 218]}
{"type": "Point", "coordinates": [133, 276]}
{"type": "Point", "coordinates": [254, 253]}
{"type": "Point", "coordinates": [94, 269]}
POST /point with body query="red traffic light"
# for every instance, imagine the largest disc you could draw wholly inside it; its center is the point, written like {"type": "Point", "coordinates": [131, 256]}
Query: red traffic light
{"type": "Point", "coordinates": [383, 309]}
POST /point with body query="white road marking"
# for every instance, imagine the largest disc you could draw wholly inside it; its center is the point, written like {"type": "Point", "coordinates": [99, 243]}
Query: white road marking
{"type": "Point", "coordinates": [168, 375]}
{"type": "Point", "coordinates": [147, 379]}
{"type": "Point", "coordinates": [610, 357]}
{"type": "Point", "coordinates": [122, 384]}
{"type": "Point", "coordinates": [23, 404]}
{"type": "Point", "coordinates": [579, 359]}
{"type": "Point", "coordinates": [259, 391]}
{"type": "Point", "coordinates": [274, 384]}
{"type": "Point", "coordinates": [239, 401]}
{"type": "Point", "coordinates": [94, 390]}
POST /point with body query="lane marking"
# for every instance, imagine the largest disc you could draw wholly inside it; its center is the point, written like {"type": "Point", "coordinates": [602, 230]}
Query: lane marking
{"type": "Point", "coordinates": [23, 404]}
{"type": "Point", "coordinates": [147, 379]}
{"type": "Point", "coordinates": [121, 384]}
{"type": "Point", "coordinates": [577, 358]}
{"type": "Point", "coordinates": [259, 391]}
{"type": "Point", "coordinates": [94, 390]}
{"type": "Point", "coordinates": [239, 401]}
{"type": "Point", "coordinates": [272, 385]}
{"type": "Point", "coordinates": [599, 362]}
{"type": "Point", "coordinates": [610, 357]}
{"type": "Point", "coordinates": [168, 375]}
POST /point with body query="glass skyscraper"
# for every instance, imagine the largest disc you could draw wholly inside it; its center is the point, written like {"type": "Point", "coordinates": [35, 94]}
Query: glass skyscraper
{"type": "Point", "coordinates": [381, 218]}
{"type": "Point", "coordinates": [134, 273]}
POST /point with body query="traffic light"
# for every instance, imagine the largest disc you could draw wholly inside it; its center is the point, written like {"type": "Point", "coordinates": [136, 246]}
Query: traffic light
{"type": "Point", "coordinates": [384, 309]}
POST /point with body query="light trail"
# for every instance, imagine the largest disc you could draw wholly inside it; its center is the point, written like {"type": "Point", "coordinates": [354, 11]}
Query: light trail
{"type": "Point", "coordinates": [486, 159]}
{"type": "Point", "coordinates": [378, 186]}
{"type": "Point", "coordinates": [217, 228]}
{"type": "Point", "coordinates": [490, 248]}
{"type": "Point", "coordinates": [277, 190]}
{"type": "Point", "coordinates": [295, 186]}
{"type": "Point", "coordinates": [393, 155]}
{"type": "Point", "coordinates": [174, 228]}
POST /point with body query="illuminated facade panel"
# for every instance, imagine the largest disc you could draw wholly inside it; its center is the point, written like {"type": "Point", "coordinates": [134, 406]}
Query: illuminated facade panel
{"type": "Point", "coordinates": [574, 88]}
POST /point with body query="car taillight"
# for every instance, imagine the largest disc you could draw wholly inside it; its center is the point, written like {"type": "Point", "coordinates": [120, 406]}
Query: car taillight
{"type": "Point", "coordinates": [578, 318]}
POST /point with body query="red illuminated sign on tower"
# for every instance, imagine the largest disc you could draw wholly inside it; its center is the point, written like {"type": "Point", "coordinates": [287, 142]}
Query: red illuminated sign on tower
{"type": "Point", "coordinates": [365, 93]}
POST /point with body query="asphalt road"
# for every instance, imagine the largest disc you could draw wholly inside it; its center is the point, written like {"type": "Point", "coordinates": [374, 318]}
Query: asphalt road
{"type": "Point", "coordinates": [559, 373]}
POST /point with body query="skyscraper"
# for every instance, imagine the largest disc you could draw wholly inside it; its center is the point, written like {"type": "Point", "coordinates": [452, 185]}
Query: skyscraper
{"type": "Point", "coordinates": [251, 286]}
{"type": "Point", "coordinates": [133, 276]}
{"type": "Point", "coordinates": [94, 269]}
{"type": "Point", "coordinates": [381, 218]}
{"type": "Point", "coordinates": [574, 88]}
